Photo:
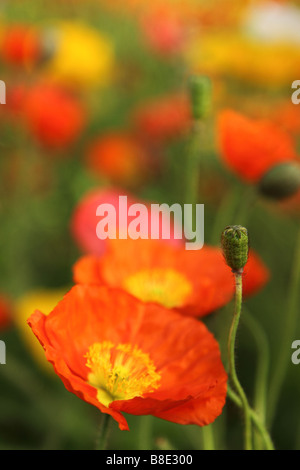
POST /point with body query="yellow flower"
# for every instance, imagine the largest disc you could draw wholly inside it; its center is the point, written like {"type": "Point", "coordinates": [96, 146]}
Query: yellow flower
{"type": "Point", "coordinates": [44, 300]}
{"type": "Point", "coordinates": [232, 55]}
{"type": "Point", "coordinates": [83, 56]}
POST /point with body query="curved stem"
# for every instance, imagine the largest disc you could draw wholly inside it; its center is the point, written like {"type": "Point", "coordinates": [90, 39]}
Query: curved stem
{"type": "Point", "coordinates": [255, 419]}
{"type": "Point", "coordinates": [262, 365]}
{"type": "Point", "coordinates": [290, 324]}
{"type": "Point", "coordinates": [232, 367]}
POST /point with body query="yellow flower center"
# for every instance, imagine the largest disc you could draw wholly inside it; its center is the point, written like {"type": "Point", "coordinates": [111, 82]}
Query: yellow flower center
{"type": "Point", "coordinates": [164, 286]}
{"type": "Point", "coordinates": [120, 372]}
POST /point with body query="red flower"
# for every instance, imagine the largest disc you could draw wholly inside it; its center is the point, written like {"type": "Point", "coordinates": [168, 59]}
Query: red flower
{"type": "Point", "coordinates": [54, 117]}
{"type": "Point", "coordinates": [124, 356]}
{"type": "Point", "coordinates": [5, 313]}
{"type": "Point", "coordinates": [164, 31]}
{"type": "Point", "coordinates": [163, 118]}
{"type": "Point", "coordinates": [21, 45]}
{"type": "Point", "coordinates": [84, 220]}
{"type": "Point", "coordinates": [192, 282]}
{"type": "Point", "coordinates": [251, 147]}
{"type": "Point", "coordinates": [118, 157]}
{"type": "Point", "coordinates": [256, 275]}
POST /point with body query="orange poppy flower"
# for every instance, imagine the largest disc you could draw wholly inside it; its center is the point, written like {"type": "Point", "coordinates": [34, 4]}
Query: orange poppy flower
{"type": "Point", "coordinates": [251, 147]}
{"type": "Point", "coordinates": [163, 118]}
{"type": "Point", "coordinates": [54, 117]}
{"type": "Point", "coordinates": [287, 116]}
{"type": "Point", "coordinates": [121, 355]}
{"type": "Point", "coordinates": [192, 282]}
{"type": "Point", "coordinates": [118, 157]}
{"type": "Point", "coordinates": [21, 45]}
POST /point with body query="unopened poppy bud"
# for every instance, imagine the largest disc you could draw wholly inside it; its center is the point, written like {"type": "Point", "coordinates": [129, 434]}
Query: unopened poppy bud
{"type": "Point", "coordinates": [235, 245]}
{"type": "Point", "coordinates": [200, 96]}
{"type": "Point", "coordinates": [281, 182]}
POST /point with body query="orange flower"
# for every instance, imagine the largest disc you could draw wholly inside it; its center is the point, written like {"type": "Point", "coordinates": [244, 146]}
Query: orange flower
{"type": "Point", "coordinates": [192, 282]}
{"type": "Point", "coordinates": [251, 147]}
{"type": "Point", "coordinates": [54, 117]}
{"type": "Point", "coordinates": [119, 157]}
{"type": "Point", "coordinates": [124, 356]}
{"type": "Point", "coordinates": [21, 45]}
{"type": "Point", "coordinates": [163, 118]}
{"type": "Point", "coordinates": [287, 116]}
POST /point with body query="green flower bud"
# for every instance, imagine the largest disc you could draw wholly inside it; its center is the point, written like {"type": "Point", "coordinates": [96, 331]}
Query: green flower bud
{"type": "Point", "coordinates": [200, 96]}
{"type": "Point", "coordinates": [235, 245]}
{"type": "Point", "coordinates": [281, 182]}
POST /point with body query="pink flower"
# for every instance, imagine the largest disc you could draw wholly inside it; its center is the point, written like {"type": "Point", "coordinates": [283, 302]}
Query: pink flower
{"type": "Point", "coordinates": [84, 220]}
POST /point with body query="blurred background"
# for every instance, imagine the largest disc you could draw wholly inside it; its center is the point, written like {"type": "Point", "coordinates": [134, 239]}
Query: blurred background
{"type": "Point", "coordinates": [97, 105]}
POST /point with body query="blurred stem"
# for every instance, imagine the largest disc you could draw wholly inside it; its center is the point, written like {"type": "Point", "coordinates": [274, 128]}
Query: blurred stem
{"type": "Point", "coordinates": [262, 365]}
{"type": "Point", "coordinates": [236, 206]}
{"type": "Point", "coordinates": [104, 431]}
{"type": "Point", "coordinates": [225, 214]}
{"type": "Point", "coordinates": [208, 437]}
{"type": "Point", "coordinates": [290, 324]}
{"type": "Point", "coordinates": [26, 382]}
{"type": "Point", "coordinates": [248, 199]}
{"type": "Point", "coordinates": [145, 433]}
{"type": "Point", "coordinates": [231, 356]}
{"type": "Point", "coordinates": [192, 167]}
{"type": "Point", "coordinates": [255, 419]}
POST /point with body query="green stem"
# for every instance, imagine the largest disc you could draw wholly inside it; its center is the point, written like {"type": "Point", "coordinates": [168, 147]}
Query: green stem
{"type": "Point", "coordinates": [232, 367]}
{"type": "Point", "coordinates": [145, 433]}
{"type": "Point", "coordinates": [208, 438]}
{"type": "Point", "coordinates": [225, 214]}
{"type": "Point", "coordinates": [255, 419]}
{"type": "Point", "coordinates": [262, 364]}
{"type": "Point", "coordinates": [290, 324]}
{"type": "Point", "coordinates": [192, 169]}
{"type": "Point", "coordinates": [104, 431]}
{"type": "Point", "coordinates": [248, 200]}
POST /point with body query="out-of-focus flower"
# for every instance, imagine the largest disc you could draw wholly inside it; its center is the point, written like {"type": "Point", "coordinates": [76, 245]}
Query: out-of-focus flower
{"type": "Point", "coordinates": [123, 356]}
{"type": "Point", "coordinates": [287, 115]}
{"type": "Point", "coordinates": [163, 118]}
{"type": "Point", "coordinates": [54, 117]}
{"type": "Point", "coordinates": [82, 56]}
{"type": "Point", "coordinates": [20, 45]}
{"type": "Point", "coordinates": [84, 220]}
{"type": "Point", "coordinates": [230, 55]}
{"type": "Point", "coordinates": [256, 275]}
{"type": "Point", "coordinates": [164, 31]}
{"type": "Point", "coordinates": [251, 147]}
{"type": "Point", "coordinates": [205, 14]}
{"type": "Point", "coordinates": [45, 300]}
{"type": "Point", "coordinates": [118, 157]}
{"type": "Point", "coordinates": [5, 313]}
{"type": "Point", "coordinates": [192, 282]}
{"type": "Point", "coordinates": [17, 97]}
